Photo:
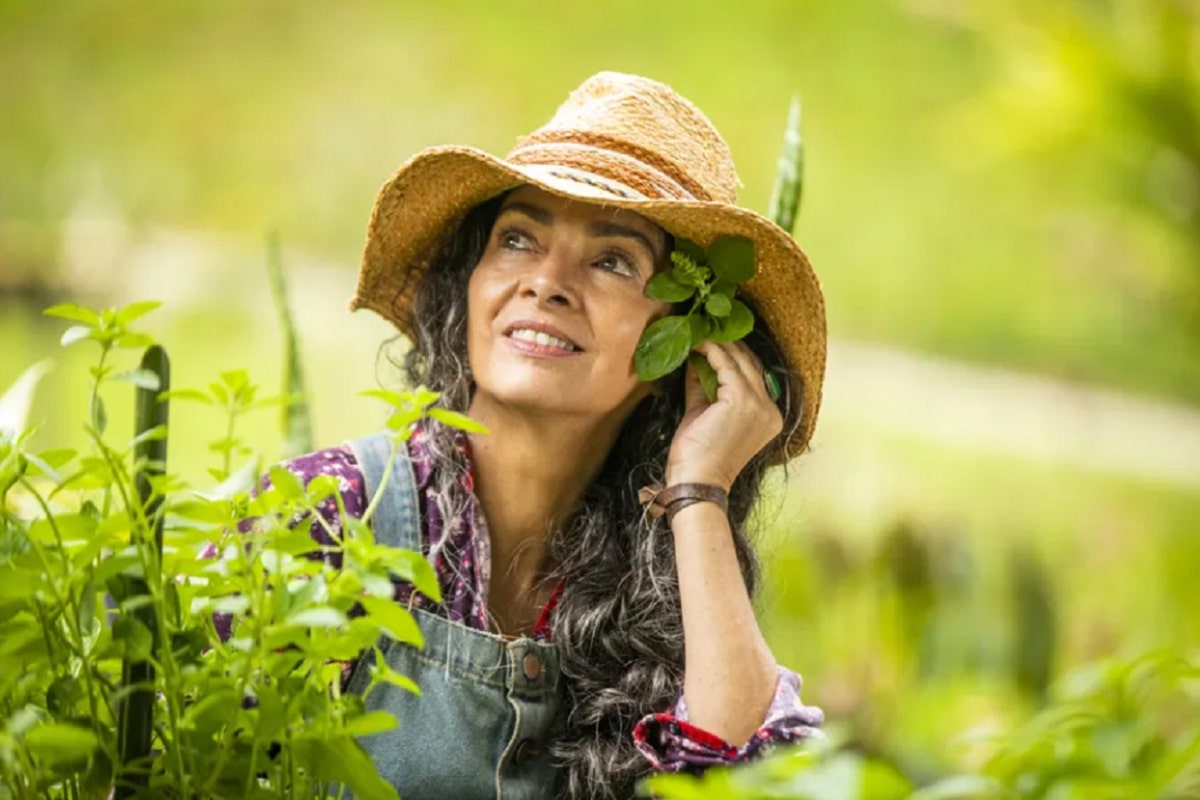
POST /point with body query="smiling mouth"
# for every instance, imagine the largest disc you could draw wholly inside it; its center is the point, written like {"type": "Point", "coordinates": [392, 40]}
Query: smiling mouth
{"type": "Point", "coordinates": [542, 339]}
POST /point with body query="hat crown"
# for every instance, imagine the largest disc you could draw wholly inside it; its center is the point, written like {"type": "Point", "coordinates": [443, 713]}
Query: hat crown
{"type": "Point", "coordinates": [639, 133]}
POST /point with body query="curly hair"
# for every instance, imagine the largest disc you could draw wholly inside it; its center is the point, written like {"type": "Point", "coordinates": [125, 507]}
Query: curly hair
{"type": "Point", "coordinates": [618, 625]}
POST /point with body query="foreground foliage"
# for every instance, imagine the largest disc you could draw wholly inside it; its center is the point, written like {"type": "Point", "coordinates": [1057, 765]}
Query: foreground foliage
{"type": "Point", "coordinates": [97, 579]}
{"type": "Point", "coordinates": [1119, 731]}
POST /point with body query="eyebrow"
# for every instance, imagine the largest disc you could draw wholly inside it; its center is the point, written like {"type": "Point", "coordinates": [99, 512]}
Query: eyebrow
{"type": "Point", "coordinates": [597, 229]}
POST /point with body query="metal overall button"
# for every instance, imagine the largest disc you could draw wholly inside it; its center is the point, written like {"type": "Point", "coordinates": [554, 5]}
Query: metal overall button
{"type": "Point", "coordinates": [527, 750]}
{"type": "Point", "coordinates": [532, 666]}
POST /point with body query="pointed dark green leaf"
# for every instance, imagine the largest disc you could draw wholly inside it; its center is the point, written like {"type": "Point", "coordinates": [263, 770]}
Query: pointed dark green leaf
{"type": "Point", "coordinates": [699, 326]}
{"type": "Point", "coordinates": [706, 374]}
{"type": "Point", "coordinates": [664, 287]}
{"type": "Point", "coordinates": [719, 305]}
{"type": "Point", "coordinates": [732, 259]}
{"type": "Point", "coordinates": [663, 347]}
{"type": "Point", "coordinates": [691, 250]}
{"type": "Point", "coordinates": [733, 327]}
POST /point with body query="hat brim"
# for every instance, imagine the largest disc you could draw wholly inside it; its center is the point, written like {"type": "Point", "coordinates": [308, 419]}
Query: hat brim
{"type": "Point", "coordinates": [427, 197]}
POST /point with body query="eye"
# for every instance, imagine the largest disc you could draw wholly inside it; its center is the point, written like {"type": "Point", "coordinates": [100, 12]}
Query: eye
{"type": "Point", "coordinates": [617, 262]}
{"type": "Point", "coordinates": [514, 239]}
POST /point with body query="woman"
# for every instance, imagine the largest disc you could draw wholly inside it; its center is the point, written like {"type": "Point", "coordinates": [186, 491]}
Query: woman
{"type": "Point", "coordinates": [555, 665]}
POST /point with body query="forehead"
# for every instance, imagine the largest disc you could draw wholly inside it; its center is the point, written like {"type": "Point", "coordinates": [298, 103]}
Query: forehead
{"type": "Point", "coordinates": [568, 209]}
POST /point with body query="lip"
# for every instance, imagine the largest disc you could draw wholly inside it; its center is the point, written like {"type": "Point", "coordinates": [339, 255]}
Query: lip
{"type": "Point", "coordinates": [539, 327]}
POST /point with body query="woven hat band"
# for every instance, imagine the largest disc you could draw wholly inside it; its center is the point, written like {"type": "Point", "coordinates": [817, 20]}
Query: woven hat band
{"type": "Point", "coordinates": [625, 175]}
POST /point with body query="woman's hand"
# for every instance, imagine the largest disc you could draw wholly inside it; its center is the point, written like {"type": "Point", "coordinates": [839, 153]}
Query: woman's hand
{"type": "Point", "coordinates": [715, 441]}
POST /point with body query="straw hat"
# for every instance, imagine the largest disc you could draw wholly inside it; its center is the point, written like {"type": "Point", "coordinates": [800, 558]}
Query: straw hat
{"type": "Point", "coordinates": [621, 141]}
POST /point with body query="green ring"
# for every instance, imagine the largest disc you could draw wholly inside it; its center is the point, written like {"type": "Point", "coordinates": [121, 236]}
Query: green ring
{"type": "Point", "coordinates": [774, 386]}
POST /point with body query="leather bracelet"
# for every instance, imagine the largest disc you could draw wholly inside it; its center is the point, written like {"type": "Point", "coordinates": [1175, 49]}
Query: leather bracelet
{"type": "Point", "coordinates": [673, 499]}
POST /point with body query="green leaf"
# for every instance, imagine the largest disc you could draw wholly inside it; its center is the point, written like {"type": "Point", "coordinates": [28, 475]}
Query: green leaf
{"type": "Point", "coordinates": [286, 482]}
{"type": "Point", "coordinates": [133, 341]}
{"type": "Point", "coordinates": [318, 617]}
{"type": "Point", "coordinates": [75, 333]}
{"type": "Point", "coordinates": [393, 619]}
{"type": "Point", "coordinates": [380, 671]}
{"type": "Point", "coordinates": [136, 636]}
{"type": "Point", "coordinates": [394, 399]}
{"type": "Point", "coordinates": [733, 327]}
{"type": "Point", "coordinates": [155, 434]}
{"type": "Point", "coordinates": [59, 742]}
{"type": "Point", "coordinates": [732, 259]}
{"type": "Point", "coordinates": [142, 378]}
{"type": "Point", "coordinates": [719, 305]}
{"type": "Point", "coordinates": [74, 312]}
{"type": "Point", "coordinates": [192, 395]}
{"type": "Point", "coordinates": [707, 375]}
{"type": "Point", "coordinates": [135, 310]}
{"type": "Point", "coordinates": [99, 415]}
{"type": "Point", "coordinates": [699, 327]}
{"type": "Point", "coordinates": [343, 759]}
{"type": "Point", "coordinates": [272, 716]}
{"type": "Point", "coordinates": [411, 566]}
{"type": "Point", "coordinates": [370, 723]}
{"type": "Point", "coordinates": [663, 347]}
{"type": "Point", "coordinates": [692, 250]}
{"type": "Point", "coordinates": [664, 287]}
{"type": "Point", "coordinates": [456, 420]}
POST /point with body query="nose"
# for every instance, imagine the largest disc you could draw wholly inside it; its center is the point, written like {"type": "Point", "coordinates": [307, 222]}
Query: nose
{"type": "Point", "coordinates": [550, 282]}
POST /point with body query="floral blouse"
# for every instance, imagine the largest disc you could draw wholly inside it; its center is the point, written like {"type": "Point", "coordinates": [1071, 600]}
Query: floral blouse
{"type": "Point", "coordinates": [459, 551]}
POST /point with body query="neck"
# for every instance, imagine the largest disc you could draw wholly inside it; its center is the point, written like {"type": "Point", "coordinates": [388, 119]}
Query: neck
{"type": "Point", "coordinates": [531, 472]}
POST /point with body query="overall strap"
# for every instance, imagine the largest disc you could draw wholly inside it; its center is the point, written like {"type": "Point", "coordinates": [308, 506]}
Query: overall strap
{"type": "Point", "coordinates": [395, 521]}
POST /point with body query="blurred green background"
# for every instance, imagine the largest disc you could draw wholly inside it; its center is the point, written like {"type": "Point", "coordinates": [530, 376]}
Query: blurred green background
{"type": "Point", "coordinates": [1002, 200]}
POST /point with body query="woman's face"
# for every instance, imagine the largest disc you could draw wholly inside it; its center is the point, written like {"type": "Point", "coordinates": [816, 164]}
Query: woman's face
{"type": "Point", "coordinates": [556, 306]}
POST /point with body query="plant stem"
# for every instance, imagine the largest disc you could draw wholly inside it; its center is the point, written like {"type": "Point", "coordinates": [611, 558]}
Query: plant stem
{"type": "Point", "coordinates": [383, 482]}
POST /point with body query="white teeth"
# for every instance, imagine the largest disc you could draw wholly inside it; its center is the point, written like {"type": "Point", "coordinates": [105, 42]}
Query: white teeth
{"type": "Point", "coordinates": [541, 338]}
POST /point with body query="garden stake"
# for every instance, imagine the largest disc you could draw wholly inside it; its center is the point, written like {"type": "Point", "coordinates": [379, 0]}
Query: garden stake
{"type": "Point", "coordinates": [136, 715]}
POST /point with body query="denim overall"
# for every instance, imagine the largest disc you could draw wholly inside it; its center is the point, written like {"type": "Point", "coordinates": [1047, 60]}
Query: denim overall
{"type": "Point", "coordinates": [488, 705]}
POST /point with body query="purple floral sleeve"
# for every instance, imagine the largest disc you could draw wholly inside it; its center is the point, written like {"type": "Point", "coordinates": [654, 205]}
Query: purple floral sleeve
{"type": "Point", "coordinates": [670, 742]}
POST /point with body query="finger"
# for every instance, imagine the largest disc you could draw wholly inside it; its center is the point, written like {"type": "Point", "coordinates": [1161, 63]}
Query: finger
{"type": "Point", "coordinates": [693, 390]}
{"type": "Point", "coordinates": [748, 362]}
{"type": "Point", "coordinates": [729, 373]}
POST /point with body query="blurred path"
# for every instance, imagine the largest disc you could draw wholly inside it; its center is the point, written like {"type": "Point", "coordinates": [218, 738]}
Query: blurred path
{"type": "Point", "coordinates": [868, 387]}
{"type": "Point", "coordinates": [1010, 413]}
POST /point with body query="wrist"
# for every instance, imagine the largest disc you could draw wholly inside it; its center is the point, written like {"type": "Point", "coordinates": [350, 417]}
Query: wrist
{"type": "Point", "coordinates": [672, 499]}
{"type": "Point", "coordinates": [679, 475]}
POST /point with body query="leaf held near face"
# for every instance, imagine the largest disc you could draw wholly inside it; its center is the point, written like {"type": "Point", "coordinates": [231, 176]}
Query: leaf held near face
{"type": "Point", "coordinates": [666, 288]}
{"type": "Point", "coordinates": [707, 375]}
{"type": "Point", "coordinates": [732, 259]}
{"type": "Point", "coordinates": [662, 348]}
{"type": "Point", "coordinates": [738, 323]}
